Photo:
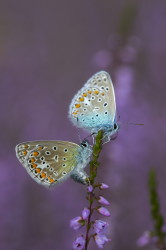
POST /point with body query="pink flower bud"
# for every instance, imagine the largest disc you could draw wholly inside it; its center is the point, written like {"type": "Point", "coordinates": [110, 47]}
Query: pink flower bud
{"type": "Point", "coordinates": [104, 211]}
{"type": "Point", "coordinates": [103, 201]}
{"type": "Point", "coordinates": [85, 213]}
{"type": "Point", "coordinates": [103, 186]}
{"type": "Point", "coordinates": [90, 189]}
{"type": "Point", "coordinates": [75, 223]}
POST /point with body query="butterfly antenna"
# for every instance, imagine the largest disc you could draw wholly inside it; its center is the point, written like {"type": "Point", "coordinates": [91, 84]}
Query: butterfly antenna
{"type": "Point", "coordinates": [137, 124]}
{"type": "Point", "coordinates": [89, 136]}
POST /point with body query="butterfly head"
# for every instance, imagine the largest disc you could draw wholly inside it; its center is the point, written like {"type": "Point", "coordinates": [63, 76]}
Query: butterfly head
{"type": "Point", "coordinates": [110, 132]}
{"type": "Point", "coordinates": [85, 151]}
{"type": "Point", "coordinates": [85, 144]}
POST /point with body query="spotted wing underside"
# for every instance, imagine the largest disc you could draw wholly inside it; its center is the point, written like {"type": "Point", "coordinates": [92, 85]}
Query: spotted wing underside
{"type": "Point", "coordinates": [94, 105]}
{"type": "Point", "coordinates": [48, 162]}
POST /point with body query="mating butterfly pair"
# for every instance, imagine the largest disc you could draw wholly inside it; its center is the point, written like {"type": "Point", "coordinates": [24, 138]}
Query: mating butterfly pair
{"type": "Point", "coordinates": [93, 108]}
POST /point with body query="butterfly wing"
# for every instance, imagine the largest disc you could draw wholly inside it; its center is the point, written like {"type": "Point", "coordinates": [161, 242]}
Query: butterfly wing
{"type": "Point", "coordinates": [48, 162]}
{"type": "Point", "coordinates": [94, 107]}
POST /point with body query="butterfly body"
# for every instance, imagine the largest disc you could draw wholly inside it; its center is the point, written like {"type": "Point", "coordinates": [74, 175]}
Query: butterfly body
{"type": "Point", "coordinates": [93, 107]}
{"type": "Point", "coordinates": [51, 162]}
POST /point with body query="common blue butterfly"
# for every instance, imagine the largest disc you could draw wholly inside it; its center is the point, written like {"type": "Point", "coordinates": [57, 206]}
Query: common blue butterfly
{"type": "Point", "coordinates": [94, 108]}
{"type": "Point", "coordinates": [50, 162]}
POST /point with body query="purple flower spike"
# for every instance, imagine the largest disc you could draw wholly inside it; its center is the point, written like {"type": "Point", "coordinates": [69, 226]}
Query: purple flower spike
{"type": "Point", "coordinates": [90, 189]}
{"type": "Point", "coordinates": [103, 186]}
{"type": "Point", "coordinates": [75, 223]}
{"type": "Point", "coordinates": [101, 240]}
{"type": "Point", "coordinates": [104, 211]}
{"type": "Point", "coordinates": [85, 213]}
{"type": "Point", "coordinates": [79, 243]}
{"type": "Point", "coordinates": [103, 201]}
{"type": "Point", "coordinates": [100, 227]}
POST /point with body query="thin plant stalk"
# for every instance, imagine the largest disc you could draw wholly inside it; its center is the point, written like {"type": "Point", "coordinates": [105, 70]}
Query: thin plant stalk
{"type": "Point", "coordinates": [93, 173]}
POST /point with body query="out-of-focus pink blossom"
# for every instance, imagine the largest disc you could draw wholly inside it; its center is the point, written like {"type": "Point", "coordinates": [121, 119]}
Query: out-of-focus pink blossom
{"type": "Point", "coordinates": [103, 186]}
{"type": "Point", "coordinates": [79, 243]}
{"type": "Point", "coordinates": [101, 240]}
{"type": "Point", "coordinates": [100, 227]}
{"type": "Point", "coordinates": [90, 188]}
{"type": "Point", "coordinates": [75, 223]}
{"type": "Point", "coordinates": [144, 240]}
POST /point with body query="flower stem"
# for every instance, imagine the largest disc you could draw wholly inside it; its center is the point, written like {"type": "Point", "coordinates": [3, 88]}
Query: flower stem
{"type": "Point", "coordinates": [155, 211]}
{"type": "Point", "coordinates": [97, 147]}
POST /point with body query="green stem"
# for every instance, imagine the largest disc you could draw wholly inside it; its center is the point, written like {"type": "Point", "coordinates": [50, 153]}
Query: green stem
{"type": "Point", "coordinates": [97, 147]}
{"type": "Point", "coordinates": [155, 211]}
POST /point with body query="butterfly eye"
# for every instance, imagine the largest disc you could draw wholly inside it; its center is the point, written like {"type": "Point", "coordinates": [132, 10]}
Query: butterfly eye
{"type": "Point", "coordinates": [115, 126]}
{"type": "Point", "coordinates": [84, 144]}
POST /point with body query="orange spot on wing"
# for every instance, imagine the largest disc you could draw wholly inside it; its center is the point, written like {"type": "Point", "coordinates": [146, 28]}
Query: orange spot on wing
{"type": "Point", "coordinates": [25, 146]}
{"type": "Point", "coordinates": [89, 92]}
{"type": "Point", "coordinates": [34, 165]}
{"type": "Point", "coordinates": [24, 152]}
{"type": "Point", "coordinates": [81, 99]}
{"type": "Point", "coordinates": [35, 153]}
{"type": "Point", "coordinates": [51, 180]}
{"type": "Point", "coordinates": [43, 175]}
{"type": "Point", "coordinates": [32, 159]}
{"type": "Point", "coordinates": [84, 94]}
{"type": "Point", "coordinates": [38, 170]}
{"type": "Point", "coordinates": [96, 92]}
{"type": "Point", "coordinates": [77, 105]}
{"type": "Point", "coordinates": [102, 94]}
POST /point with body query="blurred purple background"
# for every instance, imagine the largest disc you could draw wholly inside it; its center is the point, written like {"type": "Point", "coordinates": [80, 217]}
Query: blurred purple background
{"type": "Point", "coordinates": [48, 49]}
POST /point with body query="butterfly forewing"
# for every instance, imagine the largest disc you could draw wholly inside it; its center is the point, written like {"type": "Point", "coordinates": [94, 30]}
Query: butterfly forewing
{"type": "Point", "coordinates": [48, 162]}
{"type": "Point", "coordinates": [94, 105]}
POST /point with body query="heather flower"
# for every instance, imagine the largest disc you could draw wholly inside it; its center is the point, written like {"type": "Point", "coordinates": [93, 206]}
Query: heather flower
{"type": "Point", "coordinates": [79, 243]}
{"type": "Point", "coordinates": [101, 240]}
{"type": "Point", "coordinates": [76, 222]}
{"type": "Point", "coordinates": [103, 186]}
{"type": "Point", "coordinates": [104, 211]}
{"type": "Point", "coordinates": [103, 201]}
{"type": "Point", "coordinates": [85, 213]}
{"type": "Point", "coordinates": [100, 227]}
{"type": "Point", "coordinates": [90, 189]}
{"type": "Point", "coordinates": [144, 240]}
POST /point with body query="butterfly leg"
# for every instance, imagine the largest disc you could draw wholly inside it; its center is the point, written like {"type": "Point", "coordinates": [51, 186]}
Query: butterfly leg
{"type": "Point", "coordinates": [80, 176]}
{"type": "Point", "coordinates": [106, 139]}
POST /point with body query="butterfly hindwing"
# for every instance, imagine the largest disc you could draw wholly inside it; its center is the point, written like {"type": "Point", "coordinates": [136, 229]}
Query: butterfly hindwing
{"type": "Point", "coordinates": [48, 162]}
{"type": "Point", "coordinates": [94, 107]}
